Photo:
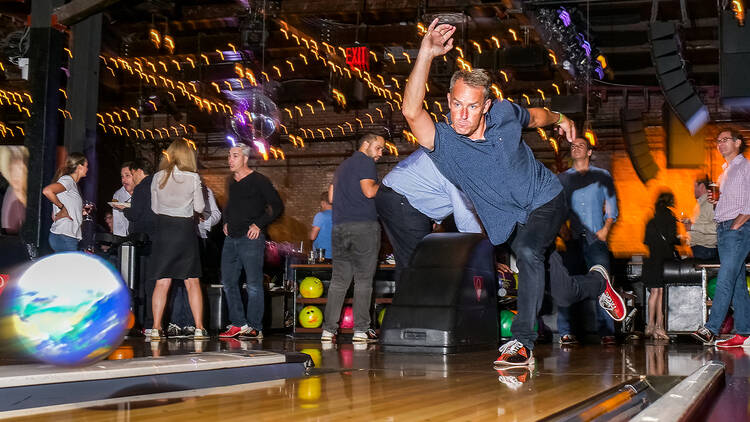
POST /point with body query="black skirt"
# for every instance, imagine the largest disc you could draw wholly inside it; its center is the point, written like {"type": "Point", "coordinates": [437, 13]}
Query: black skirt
{"type": "Point", "coordinates": [175, 252]}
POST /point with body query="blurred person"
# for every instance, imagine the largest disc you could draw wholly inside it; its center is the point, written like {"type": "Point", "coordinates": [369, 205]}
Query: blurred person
{"type": "Point", "coordinates": [701, 228]}
{"type": "Point", "coordinates": [733, 240]}
{"type": "Point", "coordinates": [122, 195]}
{"type": "Point", "coordinates": [176, 195]}
{"type": "Point", "coordinates": [67, 204]}
{"type": "Point", "coordinates": [14, 168]}
{"type": "Point", "coordinates": [109, 221]}
{"type": "Point", "coordinates": [590, 191]}
{"type": "Point", "coordinates": [322, 224]}
{"type": "Point", "coordinates": [252, 205]}
{"type": "Point", "coordinates": [355, 238]}
{"type": "Point", "coordinates": [661, 238]}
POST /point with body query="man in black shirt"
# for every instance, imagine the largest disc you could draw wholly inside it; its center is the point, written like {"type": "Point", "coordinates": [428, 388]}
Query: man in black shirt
{"type": "Point", "coordinates": [253, 204]}
{"type": "Point", "coordinates": [355, 238]}
{"type": "Point", "coordinates": [141, 219]}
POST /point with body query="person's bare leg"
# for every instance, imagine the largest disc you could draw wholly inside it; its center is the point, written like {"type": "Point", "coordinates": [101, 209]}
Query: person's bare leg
{"type": "Point", "coordinates": [659, 327]}
{"type": "Point", "coordinates": [652, 304]}
{"type": "Point", "coordinates": [159, 300]}
{"type": "Point", "coordinates": [195, 298]}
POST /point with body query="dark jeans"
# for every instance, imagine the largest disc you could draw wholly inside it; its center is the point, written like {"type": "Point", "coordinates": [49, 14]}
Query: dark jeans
{"type": "Point", "coordinates": [590, 253]}
{"type": "Point", "coordinates": [242, 253]}
{"type": "Point", "coordinates": [568, 289]}
{"type": "Point", "coordinates": [355, 255]}
{"type": "Point", "coordinates": [532, 243]}
{"type": "Point", "coordinates": [704, 253]}
{"type": "Point", "coordinates": [404, 225]}
{"type": "Point", "coordinates": [731, 285]}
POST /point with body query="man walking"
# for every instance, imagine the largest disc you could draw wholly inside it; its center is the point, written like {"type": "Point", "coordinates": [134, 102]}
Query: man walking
{"type": "Point", "coordinates": [733, 235]}
{"type": "Point", "coordinates": [590, 191]}
{"type": "Point", "coordinates": [412, 195]}
{"type": "Point", "coordinates": [516, 197]}
{"type": "Point", "coordinates": [356, 238]}
{"type": "Point", "coordinates": [252, 205]}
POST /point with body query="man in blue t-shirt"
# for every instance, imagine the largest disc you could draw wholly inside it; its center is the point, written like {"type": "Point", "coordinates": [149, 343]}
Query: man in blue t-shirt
{"type": "Point", "coordinates": [321, 226]}
{"type": "Point", "coordinates": [355, 239]}
{"type": "Point", "coordinates": [518, 199]}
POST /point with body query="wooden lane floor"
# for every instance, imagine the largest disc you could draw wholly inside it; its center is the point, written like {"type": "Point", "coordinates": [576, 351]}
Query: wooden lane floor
{"type": "Point", "coordinates": [363, 383]}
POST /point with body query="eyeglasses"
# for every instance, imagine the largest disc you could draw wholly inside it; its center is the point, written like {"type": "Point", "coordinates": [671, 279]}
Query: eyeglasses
{"type": "Point", "coordinates": [724, 139]}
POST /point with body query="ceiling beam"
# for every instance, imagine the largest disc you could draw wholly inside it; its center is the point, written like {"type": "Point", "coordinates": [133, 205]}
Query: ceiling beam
{"type": "Point", "coordinates": [78, 10]}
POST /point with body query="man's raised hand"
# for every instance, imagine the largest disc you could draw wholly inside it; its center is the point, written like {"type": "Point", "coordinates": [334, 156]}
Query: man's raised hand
{"type": "Point", "coordinates": [438, 39]}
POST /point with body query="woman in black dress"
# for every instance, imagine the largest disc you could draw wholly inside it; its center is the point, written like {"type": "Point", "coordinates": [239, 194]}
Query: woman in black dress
{"type": "Point", "coordinates": [661, 238]}
{"type": "Point", "coordinates": [176, 196]}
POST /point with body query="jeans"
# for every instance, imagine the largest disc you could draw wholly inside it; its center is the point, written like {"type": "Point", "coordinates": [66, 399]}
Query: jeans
{"type": "Point", "coordinates": [704, 253]}
{"type": "Point", "coordinates": [239, 253]}
{"type": "Point", "coordinates": [593, 253]}
{"type": "Point", "coordinates": [62, 243]}
{"type": "Point", "coordinates": [404, 225]}
{"type": "Point", "coordinates": [733, 245]}
{"type": "Point", "coordinates": [532, 243]}
{"type": "Point", "coordinates": [355, 254]}
{"type": "Point", "coordinates": [568, 289]}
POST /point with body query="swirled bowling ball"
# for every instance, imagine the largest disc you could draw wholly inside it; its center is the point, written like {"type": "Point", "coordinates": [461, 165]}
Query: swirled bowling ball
{"type": "Point", "coordinates": [310, 317]}
{"type": "Point", "coordinates": [69, 309]}
{"type": "Point", "coordinates": [311, 287]}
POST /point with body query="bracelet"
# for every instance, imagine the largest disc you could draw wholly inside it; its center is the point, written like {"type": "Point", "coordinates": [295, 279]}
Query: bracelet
{"type": "Point", "coordinates": [559, 119]}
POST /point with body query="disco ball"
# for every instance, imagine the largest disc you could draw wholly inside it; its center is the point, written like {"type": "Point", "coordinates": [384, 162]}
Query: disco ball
{"type": "Point", "coordinates": [68, 309]}
{"type": "Point", "coordinates": [256, 116]}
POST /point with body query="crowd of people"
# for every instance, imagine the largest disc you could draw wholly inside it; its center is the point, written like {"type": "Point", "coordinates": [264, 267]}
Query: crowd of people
{"type": "Point", "coordinates": [474, 167]}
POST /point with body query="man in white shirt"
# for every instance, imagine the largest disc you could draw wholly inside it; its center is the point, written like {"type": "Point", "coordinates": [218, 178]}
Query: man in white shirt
{"type": "Point", "coordinates": [120, 223]}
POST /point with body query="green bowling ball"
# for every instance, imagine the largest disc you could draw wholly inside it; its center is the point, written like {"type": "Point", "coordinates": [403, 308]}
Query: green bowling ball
{"type": "Point", "coordinates": [506, 320]}
{"type": "Point", "coordinates": [711, 288]}
{"type": "Point", "coordinates": [381, 315]}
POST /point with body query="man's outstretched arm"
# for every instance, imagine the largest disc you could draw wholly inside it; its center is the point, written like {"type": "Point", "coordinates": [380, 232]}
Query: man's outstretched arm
{"type": "Point", "coordinates": [436, 42]}
{"type": "Point", "coordinates": [541, 117]}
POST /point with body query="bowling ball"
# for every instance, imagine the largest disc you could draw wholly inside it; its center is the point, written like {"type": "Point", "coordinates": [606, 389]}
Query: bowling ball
{"type": "Point", "coordinates": [747, 279]}
{"type": "Point", "coordinates": [122, 352]}
{"type": "Point", "coordinates": [381, 315]}
{"type": "Point", "coordinates": [3, 282]}
{"type": "Point", "coordinates": [308, 391]}
{"type": "Point", "coordinates": [347, 318]}
{"type": "Point", "coordinates": [515, 277]}
{"type": "Point", "coordinates": [727, 325]}
{"type": "Point", "coordinates": [505, 279]}
{"type": "Point", "coordinates": [311, 287]}
{"type": "Point", "coordinates": [315, 355]}
{"type": "Point", "coordinates": [272, 255]}
{"type": "Point", "coordinates": [69, 309]}
{"type": "Point", "coordinates": [310, 317]}
{"type": "Point", "coordinates": [506, 320]}
{"type": "Point", "coordinates": [711, 287]}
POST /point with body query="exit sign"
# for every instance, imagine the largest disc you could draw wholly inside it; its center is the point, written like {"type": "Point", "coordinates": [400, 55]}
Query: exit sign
{"type": "Point", "coordinates": [358, 57]}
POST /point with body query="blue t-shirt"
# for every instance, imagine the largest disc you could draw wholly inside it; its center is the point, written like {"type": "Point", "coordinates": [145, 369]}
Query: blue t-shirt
{"type": "Point", "coordinates": [349, 203]}
{"type": "Point", "coordinates": [324, 221]}
{"type": "Point", "coordinates": [499, 174]}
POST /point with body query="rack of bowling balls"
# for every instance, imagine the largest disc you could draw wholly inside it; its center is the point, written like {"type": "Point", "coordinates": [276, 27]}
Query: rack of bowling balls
{"type": "Point", "coordinates": [310, 316]}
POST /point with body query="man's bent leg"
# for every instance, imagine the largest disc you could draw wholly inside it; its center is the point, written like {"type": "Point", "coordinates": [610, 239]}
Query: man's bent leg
{"type": "Point", "coordinates": [566, 289]}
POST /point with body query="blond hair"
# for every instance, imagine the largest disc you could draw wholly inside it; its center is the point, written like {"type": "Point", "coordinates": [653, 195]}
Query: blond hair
{"type": "Point", "coordinates": [179, 154]}
{"type": "Point", "coordinates": [478, 78]}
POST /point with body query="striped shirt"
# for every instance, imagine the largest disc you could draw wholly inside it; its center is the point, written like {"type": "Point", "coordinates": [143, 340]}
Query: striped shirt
{"type": "Point", "coordinates": [735, 190]}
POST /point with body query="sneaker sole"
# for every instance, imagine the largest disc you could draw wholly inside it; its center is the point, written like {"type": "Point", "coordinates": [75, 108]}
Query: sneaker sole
{"type": "Point", "coordinates": [503, 364]}
{"type": "Point", "coordinates": [364, 341]}
{"type": "Point", "coordinates": [603, 271]}
{"type": "Point", "coordinates": [702, 340]}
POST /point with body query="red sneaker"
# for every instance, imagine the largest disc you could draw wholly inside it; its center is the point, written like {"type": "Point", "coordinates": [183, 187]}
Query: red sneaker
{"type": "Point", "coordinates": [736, 341]}
{"type": "Point", "coordinates": [610, 300]}
{"type": "Point", "coordinates": [234, 331]}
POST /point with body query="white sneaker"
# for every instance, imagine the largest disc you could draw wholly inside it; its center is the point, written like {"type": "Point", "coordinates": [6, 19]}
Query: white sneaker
{"type": "Point", "coordinates": [368, 336]}
{"type": "Point", "coordinates": [200, 334]}
{"type": "Point", "coordinates": [327, 336]}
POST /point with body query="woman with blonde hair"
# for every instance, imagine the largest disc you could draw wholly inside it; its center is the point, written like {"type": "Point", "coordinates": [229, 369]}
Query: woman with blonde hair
{"type": "Point", "coordinates": [176, 196]}
{"type": "Point", "coordinates": [67, 204]}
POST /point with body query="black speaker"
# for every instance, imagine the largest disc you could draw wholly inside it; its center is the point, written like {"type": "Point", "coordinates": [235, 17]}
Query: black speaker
{"type": "Point", "coordinates": [568, 104]}
{"type": "Point", "coordinates": [734, 84]}
{"type": "Point", "coordinates": [637, 145]}
{"type": "Point", "coordinates": [446, 300]}
{"type": "Point", "coordinates": [678, 91]}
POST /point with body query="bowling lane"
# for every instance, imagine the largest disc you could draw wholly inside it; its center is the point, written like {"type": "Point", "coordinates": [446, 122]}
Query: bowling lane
{"type": "Point", "coordinates": [363, 383]}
